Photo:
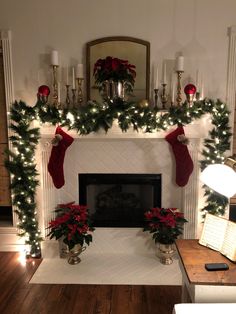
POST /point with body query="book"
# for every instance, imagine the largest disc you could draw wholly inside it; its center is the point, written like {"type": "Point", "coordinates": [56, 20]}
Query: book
{"type": "Point", "coordinates": [219, 234]}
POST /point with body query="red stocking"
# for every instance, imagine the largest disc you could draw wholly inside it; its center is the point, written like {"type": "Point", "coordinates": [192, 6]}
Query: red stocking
{"type": "Point", "coordinates": [183, 160]}
{"type": "Point", "coordinates": [55, 165]}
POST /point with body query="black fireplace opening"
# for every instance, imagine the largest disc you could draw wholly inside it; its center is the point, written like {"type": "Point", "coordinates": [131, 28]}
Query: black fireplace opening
{"type": "Point", "coordinates": [119, 200]}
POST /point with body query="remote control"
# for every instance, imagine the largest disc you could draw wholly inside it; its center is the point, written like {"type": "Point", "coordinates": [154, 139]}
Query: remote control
{"type": "Point", "coordinates": [216, 266]}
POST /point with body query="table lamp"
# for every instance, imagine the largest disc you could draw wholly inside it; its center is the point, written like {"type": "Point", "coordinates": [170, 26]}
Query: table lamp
{"type": "Point", "coordinates": [221, 177]}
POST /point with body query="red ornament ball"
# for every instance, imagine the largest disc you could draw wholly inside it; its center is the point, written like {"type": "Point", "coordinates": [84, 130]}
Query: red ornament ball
{"type": "Point", "coordinates": [43, 90]}
{"type": "Point", "coordinates": [190, 89]}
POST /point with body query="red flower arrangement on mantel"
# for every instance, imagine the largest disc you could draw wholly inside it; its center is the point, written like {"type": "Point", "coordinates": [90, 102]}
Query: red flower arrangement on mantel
{"type": "Point", "coordinates": [114, 69]}
{"type": "Point", "coordinates": [166, 224]}
{"type": "Point", "coordinates": [72, 224]}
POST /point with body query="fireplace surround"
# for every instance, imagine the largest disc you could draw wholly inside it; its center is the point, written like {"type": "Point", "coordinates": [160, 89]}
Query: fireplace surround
{"type": "Point", "coordinates": [129, 153]}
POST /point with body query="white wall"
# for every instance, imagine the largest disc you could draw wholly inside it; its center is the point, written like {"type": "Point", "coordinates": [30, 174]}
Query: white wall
{"type": "Point", "coordinates": [198, 28]}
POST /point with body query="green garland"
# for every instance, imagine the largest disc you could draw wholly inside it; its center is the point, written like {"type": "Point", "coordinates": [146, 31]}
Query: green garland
{"type": "Point", "coordinates": [22, 167]}
{"type": "Point", "coordinates": [91, 118]}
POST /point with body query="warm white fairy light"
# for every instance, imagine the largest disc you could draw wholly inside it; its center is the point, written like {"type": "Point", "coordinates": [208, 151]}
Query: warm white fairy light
{"type": "Point", "coordinates": [70, 117]}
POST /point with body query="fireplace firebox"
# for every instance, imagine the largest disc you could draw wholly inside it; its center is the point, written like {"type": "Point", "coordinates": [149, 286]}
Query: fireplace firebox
{"type": "Point", "coordinates": [119, 200]}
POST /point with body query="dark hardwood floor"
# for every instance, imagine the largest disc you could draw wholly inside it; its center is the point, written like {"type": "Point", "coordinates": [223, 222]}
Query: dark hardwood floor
{"type": "Point", "coordinates": [18, 296]}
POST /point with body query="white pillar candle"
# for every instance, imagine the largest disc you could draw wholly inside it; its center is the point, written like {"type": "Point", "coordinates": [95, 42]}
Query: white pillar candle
{"type": "Point", "coordinates": [180, 63]}
{"type": "Point", "coordinates": [164, 74]}
{"type": "Point", "coordinates": [79, 71]}
{"type": "Point", "coordinates": [54, 57]}
{"type": "Point", "coordinates": [156, 79]}
{"type": "Point", "coordinates": [73, 78]}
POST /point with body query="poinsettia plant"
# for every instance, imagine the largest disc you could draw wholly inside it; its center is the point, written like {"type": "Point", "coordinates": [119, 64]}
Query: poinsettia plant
{"type": "Point", "coordinates": [72, 224]}
{"type": "Point", "coordinates": [165, 224]}
{"type": "Point", "coordinates": [114, 69]}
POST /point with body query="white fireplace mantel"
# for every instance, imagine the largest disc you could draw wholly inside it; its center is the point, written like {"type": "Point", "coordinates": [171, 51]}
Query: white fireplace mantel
{"type": "Point", "coordinates": [197, 129]}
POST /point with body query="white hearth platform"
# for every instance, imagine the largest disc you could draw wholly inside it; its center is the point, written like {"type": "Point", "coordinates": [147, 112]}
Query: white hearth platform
{"type": "Point", "coordinates": [115, 256]}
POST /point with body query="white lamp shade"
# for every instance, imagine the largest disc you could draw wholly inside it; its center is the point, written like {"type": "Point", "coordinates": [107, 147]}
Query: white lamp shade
{"type": "Point", "coordinates": [220, 178]}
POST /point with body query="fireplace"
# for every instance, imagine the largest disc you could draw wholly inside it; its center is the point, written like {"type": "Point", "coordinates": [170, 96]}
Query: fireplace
{"type": "Point", "coordinates": [119, 200]}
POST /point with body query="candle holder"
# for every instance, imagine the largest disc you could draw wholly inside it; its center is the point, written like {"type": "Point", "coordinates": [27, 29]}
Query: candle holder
{"type": "Point", "coordinates": [55, 86]}
{"type": "Point", "coordinates": [179, 98]}
{"type": "Point", "coordinates": [197, 96]}
{"type": "Point", "coordinates": [73, 97]}
{"type": "Point", "coordinates": [164, 96]}
{"type": "Point", "coordinates": [80, 92]}
{"type": "Point", "coordinates": [156, 97]}
{"type": "Point", "coordinates": [67, 95]}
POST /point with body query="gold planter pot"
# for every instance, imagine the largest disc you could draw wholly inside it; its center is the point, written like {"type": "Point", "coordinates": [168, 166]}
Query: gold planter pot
{"type": "Point", "coordinates": [63, 248]}
{"type": "Point", "coordinates": [73, 256]}
{"type": "Point", "coordinates": [111, 90]}
{"type": "Point", "coordinates": [165, 253]}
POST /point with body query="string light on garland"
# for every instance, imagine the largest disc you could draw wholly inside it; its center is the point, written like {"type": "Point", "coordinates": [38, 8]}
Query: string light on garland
{"type": "Point", "coordinates": [91, 118]}
{"type": "Point", "coordinates": [23, 173]}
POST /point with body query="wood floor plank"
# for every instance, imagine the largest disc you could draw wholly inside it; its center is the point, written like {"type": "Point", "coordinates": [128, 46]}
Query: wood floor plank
{"type": "Point", "coordinates": [17, 296]}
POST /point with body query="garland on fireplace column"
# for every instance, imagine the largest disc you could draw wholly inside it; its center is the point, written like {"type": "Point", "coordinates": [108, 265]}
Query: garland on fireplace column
{"type": "Point", "coordinates": [91, 118]}
{"type": "Point", "coordinates": [21, 165]}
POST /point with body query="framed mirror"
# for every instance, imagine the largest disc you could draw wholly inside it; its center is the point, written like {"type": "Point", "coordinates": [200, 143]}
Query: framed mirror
{"type": "Point", "coordinates": [136, 51]}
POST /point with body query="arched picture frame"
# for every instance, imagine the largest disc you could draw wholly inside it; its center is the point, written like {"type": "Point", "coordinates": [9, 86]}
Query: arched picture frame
{"type": "Point", "coordinates": [136, 51]}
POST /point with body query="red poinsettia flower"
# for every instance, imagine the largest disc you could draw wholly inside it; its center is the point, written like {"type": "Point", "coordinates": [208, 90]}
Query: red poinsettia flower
{"type": "Point", "coordinates": [165, 224]}
{"type": "Point", "coordinates": [114, 69]}
{"type": "Point", "coordinates": [72, 223]}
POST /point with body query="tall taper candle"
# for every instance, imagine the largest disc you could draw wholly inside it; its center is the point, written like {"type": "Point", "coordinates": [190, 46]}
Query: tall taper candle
{"type": "Point", "coordinates": [164, 74]}
{"type": "Point", "coordinates": [156, 79]}
{"type": "Point", "coordinates": [73, 78]}
{"type": "Point", "coordinates": [180, 63]}
{"type": "Point", "coordinates": [67, 75]}
{"type": "Point", "coordinates": [54, 58]}
{"type": "Point", "coordinates": [197, 80]}
{"type": "Point", "coordinates": [173, 86]}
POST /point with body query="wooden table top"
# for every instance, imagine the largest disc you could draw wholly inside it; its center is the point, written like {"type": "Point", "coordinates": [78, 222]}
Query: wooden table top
{"type": "Point", "coordinates": [194, 257]}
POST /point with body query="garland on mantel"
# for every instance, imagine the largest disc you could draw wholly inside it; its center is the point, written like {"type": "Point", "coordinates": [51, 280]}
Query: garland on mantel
{"type": "Point", "coordinates": [91, 118]}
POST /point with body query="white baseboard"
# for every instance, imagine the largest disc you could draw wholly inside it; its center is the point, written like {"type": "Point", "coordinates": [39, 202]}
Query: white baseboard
{"type": "Point", "coordinates": [10, 241]}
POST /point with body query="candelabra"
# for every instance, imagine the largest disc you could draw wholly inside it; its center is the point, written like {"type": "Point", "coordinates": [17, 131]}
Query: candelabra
{"type": "Point", "coordinates": [179, 98]}
{"type": "Point", "coordinates": [164, 96]}
{"type": "Point", "coordinates": [73, 97]}
{"type": "Point", "coordinates": [197, 96]}
{"type": "Point", "coordinates": [155, 97]}
{"type": "Point", "coordinates": [68, 95]}
{"type": "Point", "coordinates": [55, 86]}
{"type": "Point", "coordinates": [80, 93]}
{"type": "Point", "coordinates": [73, 100]}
